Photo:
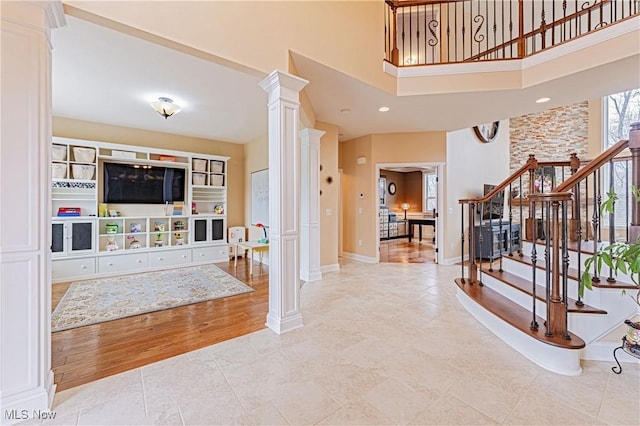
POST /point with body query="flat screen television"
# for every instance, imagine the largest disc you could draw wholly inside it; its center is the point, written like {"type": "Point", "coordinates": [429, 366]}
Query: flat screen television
{"type": "Point", "coordinates": [142, 184]}
{"type": "Point", "coordinates": [495, 207]}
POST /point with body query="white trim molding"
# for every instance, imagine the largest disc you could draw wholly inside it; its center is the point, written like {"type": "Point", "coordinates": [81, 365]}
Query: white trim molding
{"type": "Point", "coordinates": [359, 257]}
{"type": "Point", "coordinates": [330, 268]}
{"type": "Point", "coordinates": [284, 200]}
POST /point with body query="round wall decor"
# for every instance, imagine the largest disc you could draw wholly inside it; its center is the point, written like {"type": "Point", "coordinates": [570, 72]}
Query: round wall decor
{"type": "Point", "coordinates": [486, 132]}
{"type": "Point", "coordinates": [392, 188]}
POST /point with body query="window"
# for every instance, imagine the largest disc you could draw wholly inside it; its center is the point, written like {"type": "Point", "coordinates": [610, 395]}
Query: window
{"type": "Point", "coordinates": [620, 110]}
{"type": "Point", "coordinates": [430, 191]}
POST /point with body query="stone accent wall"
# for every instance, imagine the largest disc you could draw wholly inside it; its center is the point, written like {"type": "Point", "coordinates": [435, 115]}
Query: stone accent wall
{"type": "Point", "coordinates": [550, 135]}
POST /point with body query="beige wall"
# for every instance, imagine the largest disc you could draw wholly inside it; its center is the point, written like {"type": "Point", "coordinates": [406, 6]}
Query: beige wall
{"type": "Point", "coordinates": [76, 129]}
{"type": "Point", "coordinates": [470, 164]}
{"type": "Point", "coordinates": [357, 209]}
{"type": "Point", "coordinates": [360, 214]}
{"type": "Point", "coordinates": [344, 35]}
{"type": "Point", "coordinates": [258, 37]}
{"type": "Point", "coordinates": [329, 200]}
{"type": "Point", "coordinates": [256, 157]}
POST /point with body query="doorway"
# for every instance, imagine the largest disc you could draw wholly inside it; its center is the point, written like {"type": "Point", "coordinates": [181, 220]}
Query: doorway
{"type": "Point", "coordinates": [409, 202]}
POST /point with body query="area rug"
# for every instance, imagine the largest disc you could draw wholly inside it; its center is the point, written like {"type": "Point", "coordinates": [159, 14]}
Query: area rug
{"type": "Point", "coordinates": [105, 299]}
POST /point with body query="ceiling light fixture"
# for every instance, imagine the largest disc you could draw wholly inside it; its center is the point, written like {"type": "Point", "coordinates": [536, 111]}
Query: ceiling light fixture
{"type": "Point", "coordinates": [166, 107]}
{"type": "Point", "coordinates": [384, 109]}
{"type": "Point", "coordinates": [543, 100]}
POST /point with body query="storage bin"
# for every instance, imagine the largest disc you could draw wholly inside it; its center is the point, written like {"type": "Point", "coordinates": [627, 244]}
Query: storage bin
{"type": "Point", "coordinates": [217, 166]}
{"type": "Point", "coordinates": [83, 171]}
{"type": "Point", "coordinates": [199, 165]}
{"type": "Point", "coordinates": [58, 152]}
{"type": "Point", "coordinates": [84, 155]}
{"type": "Point", "coordinates": [58, 170]}
{"type": "Point", "coordinates": [216, 180]}
{"type": "Point", "coordinates": [199, 178]}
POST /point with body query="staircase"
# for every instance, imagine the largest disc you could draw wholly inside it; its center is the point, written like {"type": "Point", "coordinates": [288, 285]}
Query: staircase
{"type": "Point", "coordinates": [530, 299]}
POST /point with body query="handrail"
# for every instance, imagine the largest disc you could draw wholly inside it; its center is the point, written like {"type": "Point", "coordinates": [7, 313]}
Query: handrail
{"type": "Point", "coordinates": [531, 164]}
{"type": "Point", "coordinates": [424, 32]}
{"type": "Point", "coordinates": [541, 30]}
{"type": "Point", "coordinates": [593, 165]}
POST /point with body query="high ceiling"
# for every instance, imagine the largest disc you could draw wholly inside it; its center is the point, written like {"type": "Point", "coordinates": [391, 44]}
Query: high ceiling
{"type": "Point", "coordinates": [104, 76]}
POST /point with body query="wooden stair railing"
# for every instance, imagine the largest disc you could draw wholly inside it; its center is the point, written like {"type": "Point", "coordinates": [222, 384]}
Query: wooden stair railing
{"type": "Point", "coordinates": [524, 177]}
{"type": "Point", "coordinates": [426, 32]}
{"type": "Point", "coordinates": [560, 212]}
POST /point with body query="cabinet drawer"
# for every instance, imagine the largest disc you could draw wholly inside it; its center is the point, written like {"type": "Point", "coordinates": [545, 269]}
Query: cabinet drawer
{"type": "Point", "coordinates": [123, 262]}
{"type": "Point", "coordinates": [69, 268]}
{"type": "Point", "coordinates": [211, 254]}
{"type": "Point", "coordinates": [169, 257]}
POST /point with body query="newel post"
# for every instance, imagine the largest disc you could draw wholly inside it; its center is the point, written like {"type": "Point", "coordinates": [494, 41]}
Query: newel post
{"type": "Point", "coordinates": [634, 146]}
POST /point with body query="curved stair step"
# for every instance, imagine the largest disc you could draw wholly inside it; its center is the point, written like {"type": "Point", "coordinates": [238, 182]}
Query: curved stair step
{"type": "Point", "coordinates": [515, 315]}
{"type": "Point", "coordinates": [524, 286]}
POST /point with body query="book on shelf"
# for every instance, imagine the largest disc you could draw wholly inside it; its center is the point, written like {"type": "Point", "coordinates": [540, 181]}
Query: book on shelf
{"type": "Point", "coordinates": [69, 211]}
{"type": "Point", "coordinates": [178, 208]}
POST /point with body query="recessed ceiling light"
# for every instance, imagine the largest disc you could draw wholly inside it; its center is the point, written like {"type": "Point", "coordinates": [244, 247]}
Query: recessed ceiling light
{"type": "Point", "coordinates": [543, 100]}
{"type": "Point", "coordinates": [384, 109]}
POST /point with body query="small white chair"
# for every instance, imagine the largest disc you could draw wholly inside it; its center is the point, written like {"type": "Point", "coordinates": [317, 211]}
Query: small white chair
{"type": "Point", "coordinates": [237, 234]}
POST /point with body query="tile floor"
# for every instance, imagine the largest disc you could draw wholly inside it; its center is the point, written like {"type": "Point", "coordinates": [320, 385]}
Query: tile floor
{"type": "Point", "coordinates": [382, 344]}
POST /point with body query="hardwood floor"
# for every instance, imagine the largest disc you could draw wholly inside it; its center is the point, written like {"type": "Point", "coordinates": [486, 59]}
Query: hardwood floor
{"type": "Point", "coordinates": [402, 251]}
{"type": "Point", "coordinates": [85, 354]}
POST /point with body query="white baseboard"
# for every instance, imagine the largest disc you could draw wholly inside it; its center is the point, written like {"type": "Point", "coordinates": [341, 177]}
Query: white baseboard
{"type": "Point", "coordinates": [454, 260]}
{"type": "Point", "coordinates": [32, 404]}
{"type": "Point", "coordinates": [330, 268]}
{"type": "Point", "coordinates": [312, 276]}
{"type": "Point", "coordinates": [603, 351]}
{"type": "Point", "coordinates": [360, 258]}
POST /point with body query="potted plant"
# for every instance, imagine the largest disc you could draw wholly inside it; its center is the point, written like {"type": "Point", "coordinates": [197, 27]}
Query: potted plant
{"type": "Point", "coordinates": [620, 257]}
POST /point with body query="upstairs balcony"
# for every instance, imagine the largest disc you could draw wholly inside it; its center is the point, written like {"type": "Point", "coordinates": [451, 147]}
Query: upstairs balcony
{"type": "Point", "coordinates": [462, 31]}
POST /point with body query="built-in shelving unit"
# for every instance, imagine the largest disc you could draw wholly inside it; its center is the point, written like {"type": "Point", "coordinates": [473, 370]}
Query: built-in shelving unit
{"type": "Point", "coordinates": [96, 239]}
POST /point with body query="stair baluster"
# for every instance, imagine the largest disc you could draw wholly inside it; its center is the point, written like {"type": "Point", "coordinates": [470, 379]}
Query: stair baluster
{"type": "Point", "coordinates": [595, 220]}
{"type": "Point", "coordinates": [462, 240]}
{"type": "Point", "coordinates": [579, 302]}
{"type": "Point", "coordinates": [586, 210]}
{"type": "Point", "coordinates": [522, 227]}
{"type": "Point", "coordinates": [546, 208]}
{"type": "Point", "coordinates": [480, 240]}
{"type": "Point", "coordinates": [612, 217]}
{"type": "Point", "coordinates": [565, 269]}
{"type": "Point", "coordinates": [534, 260]}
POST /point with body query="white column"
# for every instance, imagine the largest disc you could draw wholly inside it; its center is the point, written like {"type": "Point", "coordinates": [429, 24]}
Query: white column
{"type": "Point", "coordinates": [26, 379]}
{"type": "Point", "coordinates": [284, 200]}
{"type": "Point", "coordinates": [310, 206]}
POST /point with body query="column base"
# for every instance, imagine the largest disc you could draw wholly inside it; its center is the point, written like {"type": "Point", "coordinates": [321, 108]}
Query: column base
{"type": "Point", "coordinates": [282, 325]}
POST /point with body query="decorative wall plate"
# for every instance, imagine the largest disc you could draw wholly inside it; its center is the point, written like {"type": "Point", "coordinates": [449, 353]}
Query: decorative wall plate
{"type": "Point", "coordinates": [486, 132]}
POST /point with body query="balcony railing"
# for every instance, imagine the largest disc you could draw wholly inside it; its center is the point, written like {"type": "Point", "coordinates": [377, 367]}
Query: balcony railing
{"type": "Point", "coordinates": [441, 32]}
